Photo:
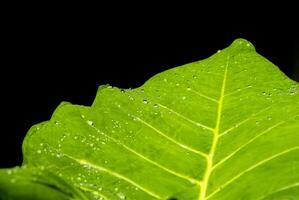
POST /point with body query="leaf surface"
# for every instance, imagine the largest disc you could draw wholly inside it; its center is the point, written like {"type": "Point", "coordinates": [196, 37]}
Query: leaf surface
{"type": "Point", "coordinates": [222, 128]}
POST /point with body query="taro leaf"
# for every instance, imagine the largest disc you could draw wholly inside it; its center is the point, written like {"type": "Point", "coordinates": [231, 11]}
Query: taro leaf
{"type": "Point", "coordinates": [226, 127]}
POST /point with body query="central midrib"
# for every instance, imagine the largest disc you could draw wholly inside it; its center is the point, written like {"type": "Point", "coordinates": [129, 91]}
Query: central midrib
{"type": "Point", "coordinates": [204, 184]}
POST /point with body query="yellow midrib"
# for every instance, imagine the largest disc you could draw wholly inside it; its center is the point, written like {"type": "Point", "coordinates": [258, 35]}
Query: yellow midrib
{"type": "Point", "coordinates": [204, 184]}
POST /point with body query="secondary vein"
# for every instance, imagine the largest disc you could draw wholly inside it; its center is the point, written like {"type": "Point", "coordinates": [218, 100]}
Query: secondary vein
{"type": "Point", "coordinates": [146, 158]}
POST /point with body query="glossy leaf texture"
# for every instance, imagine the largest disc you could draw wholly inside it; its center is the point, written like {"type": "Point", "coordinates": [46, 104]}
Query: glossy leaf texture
{"type": "Point", "coordinates": [226, 127]}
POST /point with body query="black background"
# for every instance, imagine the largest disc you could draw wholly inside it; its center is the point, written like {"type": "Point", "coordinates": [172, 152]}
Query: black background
{"type": "Point", "coordinates": [49, 58]}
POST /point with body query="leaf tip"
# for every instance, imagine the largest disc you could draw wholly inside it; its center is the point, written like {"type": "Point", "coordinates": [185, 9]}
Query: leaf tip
{"type": "Point", "coordinates": [241, 44]}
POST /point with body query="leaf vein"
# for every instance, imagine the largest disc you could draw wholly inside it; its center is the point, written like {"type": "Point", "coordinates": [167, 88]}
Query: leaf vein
{"type": "Point", "coordinates": [115, 174]}
{"type": "Point", "coordinates": [247, 143]}
{"type": "Point", "coordinates": [171, 139]}
{"type": "Point", "coordinates": [252, 168]}
{"type": "Point", "coordinates": [94, 192]}
{"type": "Point", "coordinates": [203, 96]}
{"type": "Point", "coordinates": [244, 121]}
{"type": "Point", "coordinates": [208, 172]}
{"type": "Point", "coordinates": [280, 190]}
{"type": "Point", "coordinates": [146, 158]}
{"type": "Point", "coordinates": [186, 118]}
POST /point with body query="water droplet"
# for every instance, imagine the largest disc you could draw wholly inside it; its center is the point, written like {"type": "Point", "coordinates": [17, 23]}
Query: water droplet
{"type": "Point", "coordinates": [89, 122]}
{"type": "Point", "coordinates": [183, 97]}
{"type": "Point", "coordinates": [131, 98]}
{"type": "Point", "coordinates": [116, 189]}
{"type": "Point", "coordinates": [142, 90]}
{"type": "Point", "coordinates": [63, 137]}
{"type": "Point", "coordinates": [59, 155]}
{"type": "Point", "coordinates": [83, 116]}
{"type": "Point", "coordinates": [39, 151]}
{"type": "Point", "coordinates": [269, 118]}
{"type": "Point", "coordinates": [121, 195]}
{"type": "Point", "coordinates": [257, 122]}
{"type": "Point", "coordinates": [9, 172]}
{"type": "Point", "coordinates": [145, 101]}
{"type": "Point", "coordinates": [188, 88]}
{"type": "Point", "coordinates": [292, 93]}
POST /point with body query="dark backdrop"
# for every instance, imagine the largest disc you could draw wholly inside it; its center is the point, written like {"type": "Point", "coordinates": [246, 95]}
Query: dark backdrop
{"type": "Point", "coordinates": [47, 60]}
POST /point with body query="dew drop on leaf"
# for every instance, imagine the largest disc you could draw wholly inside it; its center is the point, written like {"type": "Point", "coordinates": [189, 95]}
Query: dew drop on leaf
{"type": "Point", "coordinates": [269, 118]}
{"type": "Point", "coordinates": [89, 122]}
{"type": "Point", "coordinates": [145, 101]}
{"type": "Point", "coordinates": [121, 195]}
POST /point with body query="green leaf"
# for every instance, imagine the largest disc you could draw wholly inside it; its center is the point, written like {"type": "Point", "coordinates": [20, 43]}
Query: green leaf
{"type": "Point", "coordinates": [222, 128]}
